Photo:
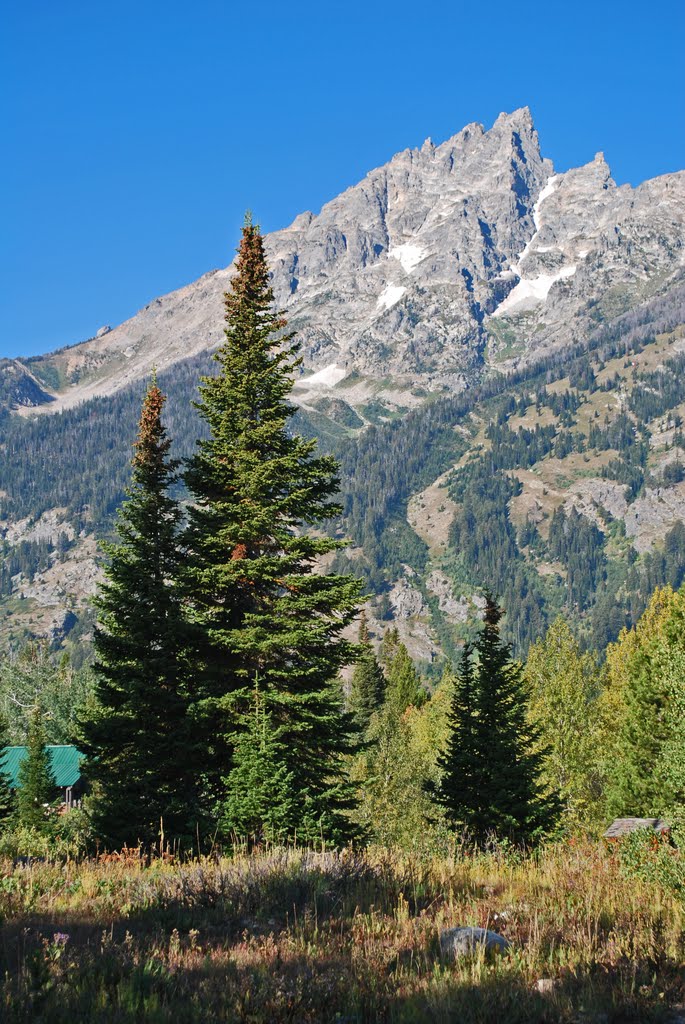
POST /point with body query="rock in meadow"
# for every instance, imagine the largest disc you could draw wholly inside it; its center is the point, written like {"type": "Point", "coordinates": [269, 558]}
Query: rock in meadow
{"type": "Point", "coordinates": [456, 942]}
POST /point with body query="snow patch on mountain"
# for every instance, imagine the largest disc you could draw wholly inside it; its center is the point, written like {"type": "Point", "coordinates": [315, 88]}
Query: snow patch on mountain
{"type": "Point", "coordinates": [326, 377]}
{"type": "Point", "coordinates": [533, 291]}
{"type": "Point", "coordinates": [408, 255]}
{"type": "Point", "coordinates": [545, 194]}
{"type": "Point", "coordinates": [530, 293]}
{"type": "Point", "coordinates": [390, 295]}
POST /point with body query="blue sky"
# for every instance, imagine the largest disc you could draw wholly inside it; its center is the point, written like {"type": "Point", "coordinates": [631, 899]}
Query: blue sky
{"type": "Point", "coordinates": [136, 134]}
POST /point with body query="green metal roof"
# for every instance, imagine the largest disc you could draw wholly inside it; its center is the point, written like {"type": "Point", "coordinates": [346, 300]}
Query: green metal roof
{"type": "Point", "coordinates": [64, 760]}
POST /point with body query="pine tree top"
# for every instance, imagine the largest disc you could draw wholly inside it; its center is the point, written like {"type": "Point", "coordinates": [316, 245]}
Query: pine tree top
{"type": "Point", "coordinates": [493, 613]}
{"type": "Point", "coordinates": [250, 284]}
{"type": "Point", "coordinates": [152, 444]}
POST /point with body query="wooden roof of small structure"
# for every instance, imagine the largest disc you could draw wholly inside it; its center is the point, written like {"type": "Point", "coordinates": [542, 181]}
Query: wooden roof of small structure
{"type": "Point", "coordinates": [624, 826]}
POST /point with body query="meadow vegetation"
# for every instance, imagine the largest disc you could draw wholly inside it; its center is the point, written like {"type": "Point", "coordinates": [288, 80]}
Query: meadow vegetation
{"type": "Point", "coordinates": [298, 935]}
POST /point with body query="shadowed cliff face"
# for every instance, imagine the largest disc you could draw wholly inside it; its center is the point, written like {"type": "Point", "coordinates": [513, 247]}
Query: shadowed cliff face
{"type": "Point", "coordinates": [446, 258]}
{"type": "Point", "coordinates": [18, 387]}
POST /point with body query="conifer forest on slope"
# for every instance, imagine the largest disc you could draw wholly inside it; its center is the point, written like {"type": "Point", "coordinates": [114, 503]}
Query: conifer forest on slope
{"type": "Point", "coordinates": [522, 446]}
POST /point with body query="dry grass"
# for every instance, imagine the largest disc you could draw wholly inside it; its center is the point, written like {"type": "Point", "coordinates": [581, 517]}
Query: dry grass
{"type": "Point", "coordinates": [301, 936]}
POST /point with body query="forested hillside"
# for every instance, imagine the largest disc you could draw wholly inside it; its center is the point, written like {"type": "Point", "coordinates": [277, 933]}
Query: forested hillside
{"type": "Point", "coordinates": [561, 488]}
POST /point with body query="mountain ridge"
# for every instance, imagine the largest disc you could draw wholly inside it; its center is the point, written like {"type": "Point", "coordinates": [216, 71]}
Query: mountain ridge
{"type": "Point", "coordinates": [406, 275]}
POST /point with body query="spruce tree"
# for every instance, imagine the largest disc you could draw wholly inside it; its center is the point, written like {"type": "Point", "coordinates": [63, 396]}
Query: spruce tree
{"type": "Point", "coordinates": [258, 803]}
{"type": "Point", "coordinates": [6, 795]}
{"type": "Point", "coordinates": [37, 785]}
{"type": "Point", "coordinates": [492, 771]}
{"type": "Point", "coordinates": [461, 765]}
{"type": "Point", "coordinates": [389, 644]}
{"type": "Point", "coordinates": [255, 602]}
{"type": "Point", "coordinates": [138, 737]}
{"type": "Point", "coordinates": [367, 686]}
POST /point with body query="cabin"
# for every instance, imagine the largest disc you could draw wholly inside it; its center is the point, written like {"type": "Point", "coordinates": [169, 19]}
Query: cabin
{"type": "Point", "coordinates": [65, 762]}
{"type": "Point", "coordinates": [625, 826]}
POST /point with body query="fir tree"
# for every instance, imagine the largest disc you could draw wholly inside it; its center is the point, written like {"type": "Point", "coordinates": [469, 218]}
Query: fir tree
{"type": "Point", "coordinates": [138, 737]}
{"type": "Point", "coordinates": [404, 687]}
{"type": "Point", "coordinates": [36, 781]}
{"type": "Point", "coordinates": [6, 795]}
{"type": "Point", "coordinates": [389, 644]}
{"type": "Point", "coordinates": [257, 606]}
{"type": "Point", "coordinates": [496, 757]}
{"type": "Point", "coordinates": [367, 687]}
{"type": "Point", "coordinates": [461, 764]}
{"type": "Point", "coordinates": [259, 804]}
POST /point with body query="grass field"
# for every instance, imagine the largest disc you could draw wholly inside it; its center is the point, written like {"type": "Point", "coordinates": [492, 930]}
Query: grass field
{"type": "Point", "coordinates": [300, 936]}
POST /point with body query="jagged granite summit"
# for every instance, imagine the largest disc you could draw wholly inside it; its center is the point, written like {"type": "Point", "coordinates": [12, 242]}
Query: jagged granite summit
{"type": "Point", "coordinates": [445, 258]}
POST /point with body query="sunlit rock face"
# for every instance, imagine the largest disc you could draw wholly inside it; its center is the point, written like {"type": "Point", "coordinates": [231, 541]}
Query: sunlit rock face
{"type": "Point", "coordinates": [445, 258]}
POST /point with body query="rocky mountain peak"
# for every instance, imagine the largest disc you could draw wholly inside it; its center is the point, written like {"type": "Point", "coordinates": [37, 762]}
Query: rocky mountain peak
{"type": "Point", "coordinates": [446, 256]}
{"type": "Point", "coordinates": [520, 116]}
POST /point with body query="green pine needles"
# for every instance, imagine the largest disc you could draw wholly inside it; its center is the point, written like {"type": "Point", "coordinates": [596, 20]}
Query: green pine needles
{"type": "Point", "coordinates": [259, 802]}
{"type": "Point", "coordinates": [143, 762]}
{"type": "Point", "coordinates": [491, 766]}
{"type": "Point", "coordinates": [256, 606]}
{"type": "Point", "coordinates": [219, 643]}
{"type": "Point", "coordinates": [367, 686]}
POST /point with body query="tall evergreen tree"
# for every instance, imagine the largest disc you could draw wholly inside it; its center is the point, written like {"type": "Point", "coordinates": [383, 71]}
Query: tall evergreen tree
{"type": "Point", "coordinates": [37, 785]}
{"type": "Point", "coordinates": [256, 604]}
{"type": "Point", "coordinates": [491, 781]}
{"type": "Point", "coordinates": [461, 765]}
{"type": "Point", "coordinates": [367, 686]}
{"type": "Point", "coordinates": [138, 736]}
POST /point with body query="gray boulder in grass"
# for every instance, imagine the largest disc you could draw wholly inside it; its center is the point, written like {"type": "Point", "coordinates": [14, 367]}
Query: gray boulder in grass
{"type": "Point", "coordinates": [456, 942]}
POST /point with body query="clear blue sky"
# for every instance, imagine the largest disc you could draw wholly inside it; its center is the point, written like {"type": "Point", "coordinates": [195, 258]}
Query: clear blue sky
{"type": "Point", "coordinates": [136, 134]}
